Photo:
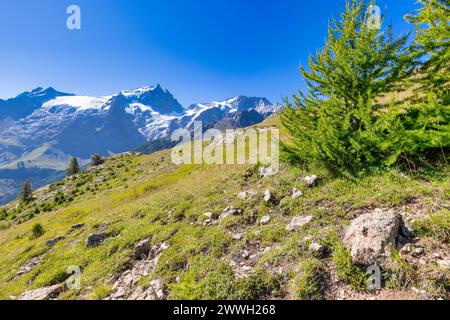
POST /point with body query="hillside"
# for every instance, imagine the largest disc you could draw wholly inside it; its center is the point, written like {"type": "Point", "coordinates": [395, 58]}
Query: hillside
{"type": "Point", "coordinates": [163, 231]}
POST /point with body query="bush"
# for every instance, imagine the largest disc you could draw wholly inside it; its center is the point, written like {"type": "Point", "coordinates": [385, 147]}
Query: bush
{"type": "Point", "coordinates": [37, 231]}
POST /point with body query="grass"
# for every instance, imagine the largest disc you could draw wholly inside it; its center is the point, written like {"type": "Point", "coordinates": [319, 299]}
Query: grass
{"type": "Point", "coordinates": [305, 284]}
{"type": "Point", "coordinates": [149, 197]}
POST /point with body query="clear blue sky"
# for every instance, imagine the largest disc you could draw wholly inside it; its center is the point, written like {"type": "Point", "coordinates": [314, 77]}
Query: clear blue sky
{"type": "Point", "coordinates": [200, 50]}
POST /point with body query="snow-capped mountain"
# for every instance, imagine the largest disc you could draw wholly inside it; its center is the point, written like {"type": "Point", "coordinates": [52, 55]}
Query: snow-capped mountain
{"type": "Point", "coordinates": [43, 128]}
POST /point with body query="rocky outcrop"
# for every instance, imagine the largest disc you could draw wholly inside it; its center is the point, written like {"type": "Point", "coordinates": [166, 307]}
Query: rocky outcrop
{"type": "Point", "coordinates": [47, 293]}
{"type": "Point", "coordinates": [125, 285]}
{"type": "Point", "coordinates": [371, 236]}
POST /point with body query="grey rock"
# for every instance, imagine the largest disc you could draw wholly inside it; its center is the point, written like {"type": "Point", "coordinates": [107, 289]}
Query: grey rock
{"type": "Point", "coordinates": [95, 239]}
{"type": "Point", "coordinates": [268, 196]}
{"type": "Point", "coordinates": [310, 180]}
{"type": "Point", "coordinates": [265, 220]}
{"type": "Point", "coordinates": [295, 194]}
{"type": "Point", "coordinates": [47, 293]}
{"type": "Point", "coordinates": [371, 237]}
{"type": "Point", "coordinates": [78, 226]}
{"type": "Point", "coordinates": [297, 223]}
{"type": "Point", "coordinates": [316, 249]}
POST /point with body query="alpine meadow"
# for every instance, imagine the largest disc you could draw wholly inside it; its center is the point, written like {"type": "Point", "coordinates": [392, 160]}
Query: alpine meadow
{"type": "Point", "coordinates": [93, 205]}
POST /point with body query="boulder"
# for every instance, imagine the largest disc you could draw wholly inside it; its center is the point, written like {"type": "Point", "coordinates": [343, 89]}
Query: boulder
{"type": "Point", "coordinates": [47, 293]}
{"type": "Point", "coordinates": [95, 239]}
{"type": "Point", "coordinates": [298, 222]}
{"type": "Point", "coordinates": [371, 236]}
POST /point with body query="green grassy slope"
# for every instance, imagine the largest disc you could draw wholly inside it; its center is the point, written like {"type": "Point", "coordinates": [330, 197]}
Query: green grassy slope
{"type": "Point", "coordinates": [149, 197]}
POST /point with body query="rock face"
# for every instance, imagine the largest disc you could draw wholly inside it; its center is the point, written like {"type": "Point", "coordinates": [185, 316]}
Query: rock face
{"type": "Point", "coordinates": [298, 222]}
{"type": "Point", "coordinates": [371, 236]}
{"type": "Point", "coordinates": [47, 293]}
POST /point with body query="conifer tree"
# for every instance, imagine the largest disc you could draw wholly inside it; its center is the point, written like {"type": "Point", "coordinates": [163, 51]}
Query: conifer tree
{"type": "Point", "coordinates": [26, 194]}
{"type": "Point", "coordinates": [74, 167]}
{"type": "Point", "coordinates": [96, 160]}
{"type": "Point", "coordinates": [432, 42]}
{"type": "Point", "coordinates": [334, 121]}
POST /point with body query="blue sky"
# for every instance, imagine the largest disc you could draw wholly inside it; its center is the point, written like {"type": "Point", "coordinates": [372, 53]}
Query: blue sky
{"type": "Point", "coordinates": [201, 50]}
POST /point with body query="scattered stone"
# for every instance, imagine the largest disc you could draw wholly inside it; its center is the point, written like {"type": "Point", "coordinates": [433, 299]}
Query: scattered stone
{"type": "Point", "coordinates": [316, 249]}
{"type": "Point", "coordinates": [266, 171]}
{"type": "Point", "coordinates": [95, 239]}
{"type": "Point", "coordinates": [47, 293]}
{"type": "Point", "coordinates": [211, 215]}
{"type": "Point", "coordinates": [78, 226]}
{"type": "Point", "coordinates": [295, 194]}
{"type": "Point", "coordinates": [230, 211]}
{"type": "Point", "coordinates": [142, 250]}
{"type": "Point", "coordinates": [265, 220]}
{"type": "Point", "coordinates": [103, 226]}
{"type": "Point", "coordinates": [242, 195]}
{"type": "Point", "coordinates": [236, 236]}
{"type": "Point", "coordinates": [310, 180]}
{"type": "Point", "coordinates": [268, 196]}
{"type": "Point", "coordinates": [245, 254]}
{"type": "Point", "coordinates": [371, 236]}
{"type": "Point", "coordinates": [419, 251]}
{"type": "Point", "coordinates": [298, 222]}
{"type": "Point", "coordinates": [51, 243]}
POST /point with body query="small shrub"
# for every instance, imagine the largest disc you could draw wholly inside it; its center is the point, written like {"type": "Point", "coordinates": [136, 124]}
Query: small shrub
{"type": "Point", "coordinates": [37, 231]}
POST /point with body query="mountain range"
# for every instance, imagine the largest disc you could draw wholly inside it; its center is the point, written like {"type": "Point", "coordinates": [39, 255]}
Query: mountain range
{"type": "Point", "coordinates": [41, 129]}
